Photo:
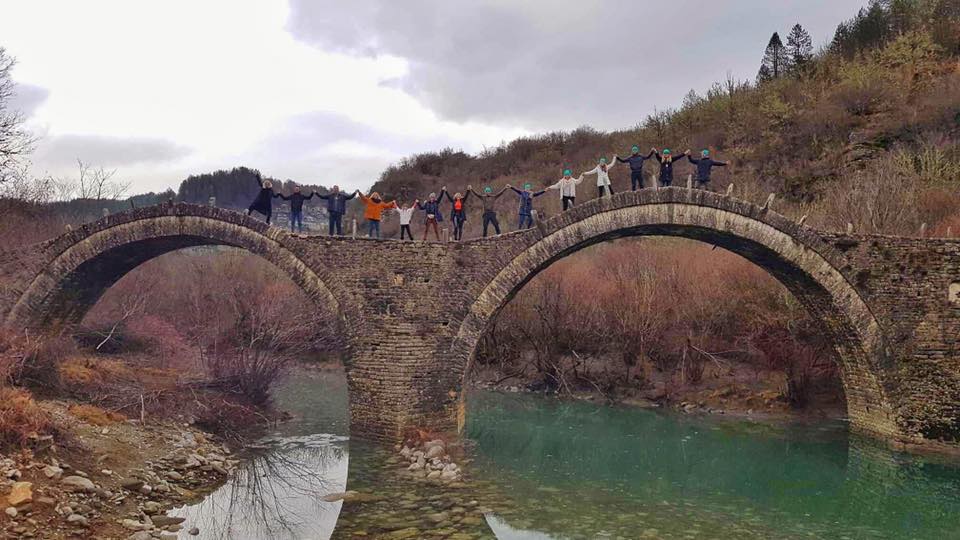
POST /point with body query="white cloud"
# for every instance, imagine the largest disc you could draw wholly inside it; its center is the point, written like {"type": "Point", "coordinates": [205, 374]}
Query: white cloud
{"type": "Point", "coordinates": [329, 89]}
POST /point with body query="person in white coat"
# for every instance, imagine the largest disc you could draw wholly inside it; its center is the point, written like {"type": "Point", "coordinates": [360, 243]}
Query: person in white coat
{"type": "Point", "coordinates": [568, 188]}
{"type": "Point", "coordinates": [602, 170]}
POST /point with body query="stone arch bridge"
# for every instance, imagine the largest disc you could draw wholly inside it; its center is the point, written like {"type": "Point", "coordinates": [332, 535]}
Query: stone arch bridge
{"type": "Point", "coordinates": [412, 313]}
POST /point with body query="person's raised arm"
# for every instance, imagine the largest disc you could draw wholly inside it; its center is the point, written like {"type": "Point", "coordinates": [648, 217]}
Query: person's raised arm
{"type": "Point", "coordinates": [650, 155]}
{"type": "Point", "coordinates": [621, 160]}
{"type": "Point", "coordinates": [694, 161]}
{"type": "Point", "coordinates": [502, 191]}
{"type": "Point", "coordinates": [539, 193]}
{"type": "Point", "coordinates": [657, 155]}
{"type": "Point", "coordinates": [312, 193]}
{"type": "Point", "coordinates": [445, 193]}
{"type": "Point", "coordinates": [594, 170]}
{"type": "Point", "coordinates": [554, 186]}
{"type": "Point", "coordinates": [515, 190]}
{"type": "Point", "coordinates": [718, 163]}
{"type": "Point", "coordinates": [470, 190]}
{"type": "Point", "coordinates": [259, 180]}
{"type": "Point", "coordinates": [321, 196]}
{"type": "Point", "coordinates": [578, 179]}
{"type": "Point", "coordinates": [280, 195]}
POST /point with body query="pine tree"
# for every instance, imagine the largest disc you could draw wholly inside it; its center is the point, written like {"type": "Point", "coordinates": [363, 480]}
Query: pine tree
{"type": "Point", "coordinates": [776, 61]}
{"type": "Point", "coordinates": [799, 46]}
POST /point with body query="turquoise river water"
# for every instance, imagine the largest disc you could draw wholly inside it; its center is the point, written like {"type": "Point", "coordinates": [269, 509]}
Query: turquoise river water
{"type": "Point", "coordinates": [543, 468]}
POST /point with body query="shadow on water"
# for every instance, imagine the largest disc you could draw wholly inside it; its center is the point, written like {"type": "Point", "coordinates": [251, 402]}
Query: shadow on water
{"type": "Point", "coordinates": [544, 468]}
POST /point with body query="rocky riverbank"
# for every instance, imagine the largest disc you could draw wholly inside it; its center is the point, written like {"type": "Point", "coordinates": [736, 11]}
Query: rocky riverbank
{"type": "Point", "coordinates": [110, 479]}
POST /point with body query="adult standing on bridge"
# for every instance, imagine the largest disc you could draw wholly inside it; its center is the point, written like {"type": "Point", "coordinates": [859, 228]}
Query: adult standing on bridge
{"type": "Point", "coordinates": [489, 202]}
{"type": "Point", "coordinates": [264, 201]}
{"type": "Point", "coordinates": [526, 204]}
{"type": "Point", "coordinates": [568, 188]}
{"type": "Point", "coordinates": [636, 166]}
{"type": "Point", "coordinates": [296, 207]}
{"type": "Point", "coordinates": [602, 170]}
{"type": "Point", "coordinates": [374, 212]}
{"type": "Point", "coordinates": [704, 165]}
{"type": "Point", "coordinates": [458, 211]}
{"type": "Point", "coordinates": [336, 207]}
{"type": "Point", "coordinates": [432, 208]}
{"type": "Point", "coordinates": [666, 165]}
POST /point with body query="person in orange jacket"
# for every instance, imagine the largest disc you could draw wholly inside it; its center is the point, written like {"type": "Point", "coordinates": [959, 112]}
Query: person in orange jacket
{"type": "Point", "coordinates": [374, 212]}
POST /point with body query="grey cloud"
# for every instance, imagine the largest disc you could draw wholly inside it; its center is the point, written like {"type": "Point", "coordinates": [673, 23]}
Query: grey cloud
{"type": "Point", "coordinates": [552, 64]}
{"type": "Point", "coordinates": [27, 98]}
{"type": "Point", "coordinates": [99, 150]}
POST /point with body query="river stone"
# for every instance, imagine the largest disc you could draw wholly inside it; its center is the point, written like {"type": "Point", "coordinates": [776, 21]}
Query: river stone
{"type": "Point", "coordinates": [132, 484]}
{"type": "Point", "coordinates": [11, 511]}
{"type": "Point", "coordinates": [434, 452]}
{"type": "Point", "coordinates": [53, 472]}
{"type": "Point", "coordinates": [134, 525]}
{"type": "Point", "coordinates": [194, 531]}
{"type": "Point", "coordinates": [20, 493]}
{"type": "Point", "coordinates": [434, 474]}
{"type": "Point", "coordinates": [152, 507]}
{"type": "Point", "coordinates": [77, 519]}
{"type": "Point", "coordinates": [79, 483]}
{"type": "Point", "coordinates": [166, 521]}
{"type": "Point", "coordinates": [140, 535]}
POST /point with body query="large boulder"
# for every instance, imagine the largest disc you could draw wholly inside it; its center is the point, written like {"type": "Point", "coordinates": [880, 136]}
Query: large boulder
{"type": "Point", "coordinates": [20, 493]}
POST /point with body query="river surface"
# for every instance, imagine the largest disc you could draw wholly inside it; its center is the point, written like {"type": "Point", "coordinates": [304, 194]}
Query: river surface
{"type": "Point", "coordinates": [542, 468]}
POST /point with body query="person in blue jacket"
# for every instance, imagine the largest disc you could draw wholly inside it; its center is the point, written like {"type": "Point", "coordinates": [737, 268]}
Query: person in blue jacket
{"type": "Point", "coordinates": [336, 207]}
{"type": "Point", "coordinates": [432, 208]}
{"type": "Point", "coordinates": [704, 165]}
{"type": "Point", "coordinates": [296, 207]}
{"type": "Point", "coordinates": [526, 204]}
{"type": "Point", "coordinates": [636, 166]}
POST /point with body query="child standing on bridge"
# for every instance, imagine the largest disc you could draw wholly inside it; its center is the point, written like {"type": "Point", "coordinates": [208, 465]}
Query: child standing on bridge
{"type": "Point", "coordinates": [406, 214]}
{"type": "Point", "coordinates": [432, 208]}
{"type": "Point", "coordinates": [264, 201]}
{"type": "Point", "coordinates": [296, 207]}
{"type": "Point", "coordinates": [526, 204]}
{"type": "Point", "coordinates": [704, 166]}
{"type": "Point", "coordinates": [603, 177]}
{"type": "Point", "coordinates": [458, 212]}
{"type": "Point", "coordinates": [568, 188]}
{"type": "Point", "coordinates": [374, 212]}
{"type": "Point", "coordinates": [636, 166]}
{"type": "Point", "coordinates": [489, 201]}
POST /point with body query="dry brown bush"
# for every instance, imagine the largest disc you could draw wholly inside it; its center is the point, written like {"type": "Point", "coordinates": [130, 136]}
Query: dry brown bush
{"type": "Point", "coordinates": [22, 421]}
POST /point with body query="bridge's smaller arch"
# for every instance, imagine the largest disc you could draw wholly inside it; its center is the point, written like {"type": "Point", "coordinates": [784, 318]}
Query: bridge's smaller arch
{"type": "Point", "coordinates": [79, 266]}
{"type": "Point", "coordinates": [796, 256]}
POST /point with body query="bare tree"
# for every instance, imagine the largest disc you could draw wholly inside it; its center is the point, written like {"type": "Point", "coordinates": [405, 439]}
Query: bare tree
{"type": "Point", "coordinates": [15, 142]}
{"type": "Point", "coordinates": [92, 183]}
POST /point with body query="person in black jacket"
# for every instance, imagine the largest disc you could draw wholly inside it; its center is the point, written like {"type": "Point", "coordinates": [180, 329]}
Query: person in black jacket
{"type": "Point", "coordinates": [458, 211]}
{"type": "Point", "coordinates": [432, 208]}
{"type": "Point", "coordinates": [296, 207]}
{"type": "Point", "coordinates": [489, 200]}
{"type": "Point", "coordinates": [704, 166]}
{"type": "Point", "coordinates": [666, 165]}
{"type": "Point", "coordinates": [636, 166]}
{"type": "Point", "coordinates": [336, 207]}
{"type": "Point", "coordinates": [264, 201]}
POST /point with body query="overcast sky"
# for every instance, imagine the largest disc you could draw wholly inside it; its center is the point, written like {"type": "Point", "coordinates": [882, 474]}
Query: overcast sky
{"type": "Point", "coordinates": [329, 91]}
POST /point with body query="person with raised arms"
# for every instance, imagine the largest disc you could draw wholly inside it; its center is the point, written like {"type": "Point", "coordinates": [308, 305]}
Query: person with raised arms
{"type": "Point", "coordinates": [432, 209]}
{"type": "Point", "coordinates": [296, 207]}
{"type": "Point", "coordinates": [374, 212]}
{"type": "Point", "coordinates": [636, 166]}
{"type": "Point", "coordinates": [458, 211]}
{"type": "Point", "coordinates": [526, 204]}
{"type": "Point", "coordinates": [336, 208]}
{"type": "Point", "coordinates": [489, 200]}
{"type": "Point", "coordinates": [666, 165]}
{"type": "Point", "coordinates": [406, 215]}
{"type": "Point", "coordinates": [567, 186]}
{"type": "Point", "coordinates": [602, 170]}
{"type": "Point", "coordinates": [704, 166]}
{"type": "Point", "coordinates": [263, 203]}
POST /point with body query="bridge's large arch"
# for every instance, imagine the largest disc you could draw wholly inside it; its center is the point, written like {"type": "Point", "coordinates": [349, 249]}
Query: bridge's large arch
{"type": "Point", "coordinates": [78, 267]}
{"type": "Point", "coordinates": [812, 270]}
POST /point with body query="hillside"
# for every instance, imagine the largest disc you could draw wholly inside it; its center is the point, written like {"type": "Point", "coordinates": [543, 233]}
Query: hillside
{"type": "Point", "coordinates": [881, 105]}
